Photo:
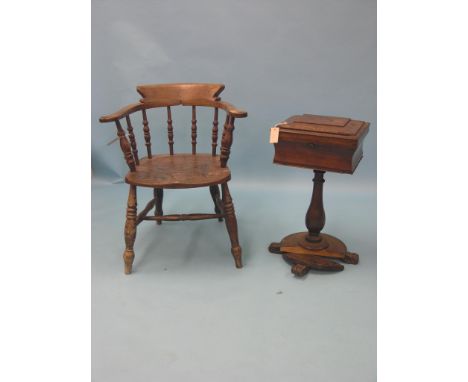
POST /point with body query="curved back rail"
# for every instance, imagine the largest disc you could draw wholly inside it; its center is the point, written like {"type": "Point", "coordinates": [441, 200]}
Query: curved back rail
{"type": "Point", "coordinates": [169, 95]}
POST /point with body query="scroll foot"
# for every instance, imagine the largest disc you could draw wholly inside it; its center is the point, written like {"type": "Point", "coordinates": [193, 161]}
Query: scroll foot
{"type": "Point", "coordinates": [351, 258]}
{"type": "Point", "coordinates": [300, 270]}
{"type": "Point", "coordinates": [275, 248]}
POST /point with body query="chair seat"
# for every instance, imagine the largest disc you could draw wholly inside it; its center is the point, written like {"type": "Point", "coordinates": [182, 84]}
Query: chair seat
{"type": "Point", "coordinates": [179, 171]}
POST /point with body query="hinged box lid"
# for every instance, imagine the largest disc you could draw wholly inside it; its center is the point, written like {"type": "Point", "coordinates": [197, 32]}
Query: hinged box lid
{"type": "Point", "coordinates": [322, 125]}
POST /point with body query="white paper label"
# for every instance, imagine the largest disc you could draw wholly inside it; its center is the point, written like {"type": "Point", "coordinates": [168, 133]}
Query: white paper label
{"type": "Point", "coordinates": [274, 134]}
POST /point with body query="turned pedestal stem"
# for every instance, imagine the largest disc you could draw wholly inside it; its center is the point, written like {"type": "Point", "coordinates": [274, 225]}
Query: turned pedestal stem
{"type": "Point", "coordinates": [315, 216]}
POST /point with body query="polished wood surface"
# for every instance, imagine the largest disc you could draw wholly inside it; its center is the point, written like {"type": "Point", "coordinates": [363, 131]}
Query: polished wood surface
{"type": "Point", "coordinates": [218, 204]}
{"type": "Point", "coordinates": [125, 146]}
{"type": "Point", "coordinates": [323, 259]}
{"type": "Point", "coordinates": [322, 143]}
{"type": "Point", "coordinates": [185, 92]}
{"type": "Point", "coordinates": [315, 216]}
{"type": "Point", "coordinates": [130, 229]}
{"type": "Point", "coordinates": [158, 194]}
{"type": "Point", "coordinates": [170, 131]}
{"type": "Point", "coordinates": [177, 170]}
{"type": "Point", "coordinates": [146, 133]}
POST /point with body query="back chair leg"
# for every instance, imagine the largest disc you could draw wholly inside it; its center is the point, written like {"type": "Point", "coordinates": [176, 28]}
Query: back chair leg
{"type": "Point", "coordinates": [130, 229]}
{"type": "Point", "coordinates": [214, 191]}
{"type": "Point", "coordinates": [231, 225]}
{"type": "Point", "coordinates": [158, 210]}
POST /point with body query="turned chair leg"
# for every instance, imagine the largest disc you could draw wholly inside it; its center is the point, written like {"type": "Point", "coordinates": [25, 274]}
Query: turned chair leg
{"type": "Point", "coordinates": [130, 230]}
{"type": "Point", "coordinates": [158, 195]}
{"type": "Point", "coordinates": [231, 225]}
{"type": "Point", "coordinates": [214, 191]}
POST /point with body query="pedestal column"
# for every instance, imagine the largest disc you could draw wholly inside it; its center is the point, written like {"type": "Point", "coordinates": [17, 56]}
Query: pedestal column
{"type": "Point", "coordinates": [315, 216]}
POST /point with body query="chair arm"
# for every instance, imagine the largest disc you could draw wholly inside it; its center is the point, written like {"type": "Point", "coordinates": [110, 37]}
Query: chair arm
{"type": "Point", "coordinates": [226, 106]}
{"type": "Point", "coordinates": [231, 109]}
{"type": "Point", "coordinates": [121, 113]}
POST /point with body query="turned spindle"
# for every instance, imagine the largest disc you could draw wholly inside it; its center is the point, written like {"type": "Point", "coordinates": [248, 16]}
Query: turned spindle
{"type": "Point", "coordinates": [146, 133]}
{"type": "Point", "coordinates": [125, 146]}
{"type": "Point", "coordinates": [214, 136]}
{"type": "Point", "coordinates": [226, 140]}
{"type": "Point", "coordinates": [133, 144]}
{"type": "Point", "coordinates": [194, 130]}
{"type": "Point", "coordinates": [170, 131]}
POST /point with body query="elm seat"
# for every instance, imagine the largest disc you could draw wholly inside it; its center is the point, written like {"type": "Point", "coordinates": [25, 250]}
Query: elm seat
{"type": "Point", "coordinates": [179, 171]}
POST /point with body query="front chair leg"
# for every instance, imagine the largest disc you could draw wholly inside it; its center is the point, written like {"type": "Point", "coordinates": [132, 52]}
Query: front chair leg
{"type": "Point", "coordinates": [231, 225]}
{"type": "Point", "coordinates": [214, 191]}
{"type": "Point", "coordinates": [158, 196]}
{"type": "Point", "coordinates": [130, 230]}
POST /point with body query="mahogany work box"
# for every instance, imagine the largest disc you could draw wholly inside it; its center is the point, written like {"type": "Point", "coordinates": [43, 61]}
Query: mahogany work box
{"type": "Point", "coordinates": [323, 144]}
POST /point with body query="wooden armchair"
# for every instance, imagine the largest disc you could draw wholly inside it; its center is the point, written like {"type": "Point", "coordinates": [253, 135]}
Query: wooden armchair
{"type": "Point", "coordinates": [177, 170]}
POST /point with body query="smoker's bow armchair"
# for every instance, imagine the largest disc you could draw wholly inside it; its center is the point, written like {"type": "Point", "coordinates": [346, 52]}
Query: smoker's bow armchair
{"type": "Point", "coordinates": [170, 171]}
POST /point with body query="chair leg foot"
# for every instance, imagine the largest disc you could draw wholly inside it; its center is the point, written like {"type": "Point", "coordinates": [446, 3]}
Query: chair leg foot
{"type": "Point", "coordinates": [130, 230]}
{"type": "Point", "coordinates": [128, 256]}
{"type": "Point", "coordinates": [231, 225]}
{"type": "Point", "coordinates": [237, 254]}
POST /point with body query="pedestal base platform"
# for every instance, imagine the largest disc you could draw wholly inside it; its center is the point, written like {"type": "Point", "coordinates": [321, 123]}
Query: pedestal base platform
{"type": "Point", "coordinates": [303, 260]}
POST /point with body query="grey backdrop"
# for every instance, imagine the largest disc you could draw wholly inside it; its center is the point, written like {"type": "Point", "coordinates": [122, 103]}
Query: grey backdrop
{"type": "Point", "coordinates": [189, 314]}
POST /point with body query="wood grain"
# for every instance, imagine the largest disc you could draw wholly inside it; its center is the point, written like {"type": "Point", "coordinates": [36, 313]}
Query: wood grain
{"type": "Point", "coordinates": [125, 146]}
{"type": "Point", "coordinates": [130, 230]}
{"type": "Point", "coordinates": [315, 216]}
{"type": "Point", "coordinates": [158, 194]}
{"type": "Point", "coordinates": [170, 131]}
{"type": "Point", "coordinates": [214, 133]}
{"type": "Point", "coordinates": [194, 129]}
{"type": "Point", "coordinates": [231, 224]}
{"type": "Point", "coordinates": [147, 133]}
{"type": "Point", "coordinates": [215, 195]}
{"type": "Point", "coordinates": [177, 170]}
{"type": "Point", "coordinates": [181, 91]}
{"type": "Point", "coordinates": [226, 106]}
{"type": "Point", "coordinates": [145, 211]}
{"type": "Point", "coordinates": [121, 113]}
{"type": "Point", "coordinates": [226, 140]}
{"type": "Point", "coordinates": [321, 143]}
{"type": "Point", "coordinates": [183, 217]}
{"type": "Point", "coordinates": [133, 143]}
